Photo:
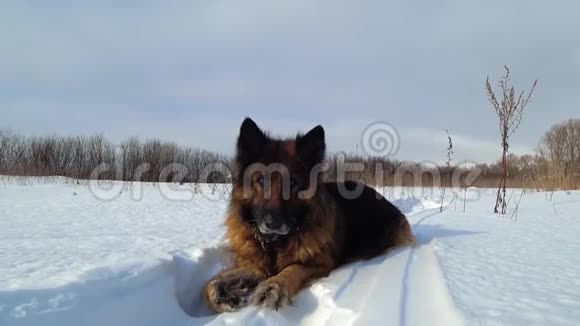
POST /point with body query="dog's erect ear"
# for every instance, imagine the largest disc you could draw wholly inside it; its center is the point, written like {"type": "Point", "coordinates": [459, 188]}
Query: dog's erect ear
{"type": "Point", "coordinates": [251, 141]}
{"type": "Point", "coordinates": [312, 146]}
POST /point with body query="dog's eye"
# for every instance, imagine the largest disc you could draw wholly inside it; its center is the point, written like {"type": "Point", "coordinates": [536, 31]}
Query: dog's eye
{"type": "Point", "coordinates": [260, 180]}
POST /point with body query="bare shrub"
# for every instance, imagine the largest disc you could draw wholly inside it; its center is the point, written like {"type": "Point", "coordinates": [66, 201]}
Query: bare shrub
{"type": "Point", "coordinates": [447, 166]}
{"type": "Point", "coordinates": [510, 110]}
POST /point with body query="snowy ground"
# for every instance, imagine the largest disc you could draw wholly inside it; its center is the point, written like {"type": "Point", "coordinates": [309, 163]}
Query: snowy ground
{"type": "Point", "coordinates": [75, 255]}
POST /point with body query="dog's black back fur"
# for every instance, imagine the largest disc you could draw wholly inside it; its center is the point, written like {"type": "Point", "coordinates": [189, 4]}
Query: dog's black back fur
{"type": "Point", "coordinates": [369, 221]}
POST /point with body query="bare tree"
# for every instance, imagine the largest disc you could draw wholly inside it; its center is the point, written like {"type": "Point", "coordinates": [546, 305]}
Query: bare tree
{"type": "Point", "coordinates": [99, 151]}
{"type": "Point", "coordinates": [510, 110]}
{"type": "Point", "coordinates": [561, 145]}
{"type": "Point", "coordinates": [8, 148]}
{"type": "Point", "coordinates": [79, 157]}
{"type": "Point", "coordinates": [132, 150]}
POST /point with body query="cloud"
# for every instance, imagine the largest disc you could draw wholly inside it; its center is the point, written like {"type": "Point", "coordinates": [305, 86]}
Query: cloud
{"type": "Point", "coordinates": [191, 70]}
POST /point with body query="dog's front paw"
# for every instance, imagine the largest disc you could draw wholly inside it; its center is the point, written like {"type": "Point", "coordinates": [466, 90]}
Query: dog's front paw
{"type": "Point", "coordinates": [230, 292]}
{"type": "Point", "coordinates": [218, 299]}
{"type": "Point", "coordinates": [270, 294]}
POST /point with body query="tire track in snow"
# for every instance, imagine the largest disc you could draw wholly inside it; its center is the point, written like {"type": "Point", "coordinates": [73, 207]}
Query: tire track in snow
{"type": "Point", "coordinates": [355, 267]}
{"type": "Point", "coordinates": [405, 292]}
{"type": "Point", "coordinates": [435, 300]}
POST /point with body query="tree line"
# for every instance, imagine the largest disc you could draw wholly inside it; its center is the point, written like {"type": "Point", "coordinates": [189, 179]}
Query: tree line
{"type": "Point", "coordinates": [555, 165]}
{"type": "Point", "coordinates": [79, 157]}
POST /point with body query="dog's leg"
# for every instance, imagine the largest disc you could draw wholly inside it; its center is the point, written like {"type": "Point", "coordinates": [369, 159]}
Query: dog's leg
{"type": "Point", "coordinates": [231, 290]}
{"type": "Point", "coordinates": [278, 291]}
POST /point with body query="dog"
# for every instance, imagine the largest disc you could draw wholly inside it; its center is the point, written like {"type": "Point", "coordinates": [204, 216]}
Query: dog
{"type": "Point", "coordinates": [288, 228]}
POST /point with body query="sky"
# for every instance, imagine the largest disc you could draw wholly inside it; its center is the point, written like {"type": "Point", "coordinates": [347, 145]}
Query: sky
{"type": "Point", "coordinates": [190, 71]}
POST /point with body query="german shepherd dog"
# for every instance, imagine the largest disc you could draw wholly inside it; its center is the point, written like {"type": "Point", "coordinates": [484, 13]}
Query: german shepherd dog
{"type": "Point", "coordinates": [287, 228]}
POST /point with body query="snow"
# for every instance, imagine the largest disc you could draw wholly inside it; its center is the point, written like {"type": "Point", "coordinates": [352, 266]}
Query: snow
{"type": "Point", "coordinates": [515, 272]}
{"type": "Point", "coordinates": [121, 254]}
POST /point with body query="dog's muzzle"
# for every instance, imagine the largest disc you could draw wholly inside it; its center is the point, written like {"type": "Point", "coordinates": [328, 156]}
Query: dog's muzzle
{"type": "Point", "coordinates": [265, 230]}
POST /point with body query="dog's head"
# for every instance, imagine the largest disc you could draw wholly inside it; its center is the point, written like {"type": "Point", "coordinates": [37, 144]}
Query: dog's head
{"type": "Point", "coordinates": [277, 177]}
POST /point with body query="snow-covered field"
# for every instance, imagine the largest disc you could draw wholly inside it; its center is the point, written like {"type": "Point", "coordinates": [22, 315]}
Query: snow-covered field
{"type": "Point", "coordinates": [75, 255]}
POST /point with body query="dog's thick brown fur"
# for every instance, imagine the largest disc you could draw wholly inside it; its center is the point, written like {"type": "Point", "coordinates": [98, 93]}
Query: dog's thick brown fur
{"type": "Point", "coordinates": [283, 241]}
